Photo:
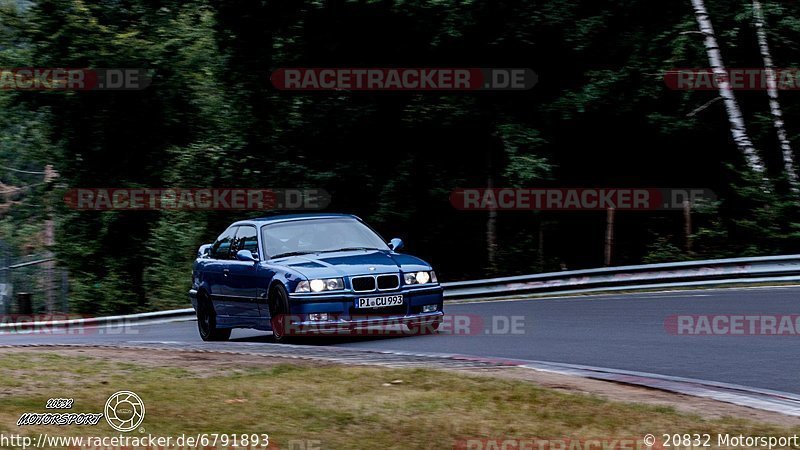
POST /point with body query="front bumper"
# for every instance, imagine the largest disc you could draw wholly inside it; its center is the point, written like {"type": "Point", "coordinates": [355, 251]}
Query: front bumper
{"type": "Point", "coordinates": [381, 325]}
{"type": "Point", "coordinates": [345, 316]}
{"type": "Point", "coordinates": [193, 298]}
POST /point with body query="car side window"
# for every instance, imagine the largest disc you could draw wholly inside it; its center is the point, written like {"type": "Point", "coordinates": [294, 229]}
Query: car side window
{"type": "Point", "coordinates": [246, 239]}
{"type": "Point", "coordinates": [222, 246]}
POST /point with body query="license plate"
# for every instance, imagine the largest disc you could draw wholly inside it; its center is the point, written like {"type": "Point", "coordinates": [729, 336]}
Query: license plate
{"type": "Point", "coordinates": [379, 302]}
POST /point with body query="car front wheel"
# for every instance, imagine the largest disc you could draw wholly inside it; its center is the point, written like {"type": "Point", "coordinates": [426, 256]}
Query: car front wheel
{"type": "Point", "coordinates": [279, 314]}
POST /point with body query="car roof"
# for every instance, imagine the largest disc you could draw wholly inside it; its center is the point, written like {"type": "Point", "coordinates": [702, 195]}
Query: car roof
{"type": "Point", "coordinates": [290, 217]}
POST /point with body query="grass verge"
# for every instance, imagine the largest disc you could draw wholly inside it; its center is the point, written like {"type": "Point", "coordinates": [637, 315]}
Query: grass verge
{"type": "Point", "coordinates": [338, 406]}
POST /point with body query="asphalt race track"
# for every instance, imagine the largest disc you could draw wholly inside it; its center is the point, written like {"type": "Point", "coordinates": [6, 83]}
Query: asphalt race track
{"type": "Point", "coordinates": [614, 331]}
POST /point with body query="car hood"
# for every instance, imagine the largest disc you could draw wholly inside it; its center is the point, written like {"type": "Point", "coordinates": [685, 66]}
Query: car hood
{"type": "Point", "coordinates": [350, 263]}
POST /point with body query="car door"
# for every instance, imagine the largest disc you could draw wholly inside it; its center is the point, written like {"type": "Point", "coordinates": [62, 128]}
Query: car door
{"type": "Point", "coordinates": [217, 271]}
{"type": "Point", "coordinates": [242, 281]}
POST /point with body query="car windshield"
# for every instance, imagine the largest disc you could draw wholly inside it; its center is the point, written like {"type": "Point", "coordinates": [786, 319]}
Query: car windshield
{"type": "Point", "coordinates": [319, 235]}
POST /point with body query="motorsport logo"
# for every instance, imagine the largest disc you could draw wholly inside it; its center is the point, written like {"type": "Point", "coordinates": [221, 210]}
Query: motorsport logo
{"type": "Point", "coordinates": [124, 411]}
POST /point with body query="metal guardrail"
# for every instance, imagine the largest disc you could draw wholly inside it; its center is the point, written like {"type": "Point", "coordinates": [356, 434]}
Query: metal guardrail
{"type": "Point", "coordinates": [765, 269]}
{"type": "Point", "coordinates": [42, 286]}
{"type": "Point", "coordinates": [26, 264]}
{"type": "Point", "coordinates": [689, 273]}
{"type": "Point", "coordinates": [118, 321]}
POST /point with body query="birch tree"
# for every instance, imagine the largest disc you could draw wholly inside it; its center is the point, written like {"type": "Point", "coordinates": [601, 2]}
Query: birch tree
{"type": "Point", "coordinates": [738, 129]}
{"type": "Point", "coordinates": [772, 92]}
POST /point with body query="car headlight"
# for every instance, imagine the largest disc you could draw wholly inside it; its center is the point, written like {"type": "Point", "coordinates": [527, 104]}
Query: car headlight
{"type": "Point", "coordinates": [423, 277]}
{"type": "Point", "coordinates": [320, 285]}
{"type": "Point", "coordinates": [419, 277]}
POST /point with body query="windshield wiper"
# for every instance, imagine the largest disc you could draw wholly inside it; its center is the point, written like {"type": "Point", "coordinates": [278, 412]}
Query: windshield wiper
{"type": "Point", "coordinates": [348, 249]}
{"type": "Point", "coordinates": [345, 249]}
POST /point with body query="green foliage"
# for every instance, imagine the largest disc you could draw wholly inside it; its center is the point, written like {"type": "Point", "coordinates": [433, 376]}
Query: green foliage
{"type": "Point", "coordinates": [522, 146]}
{"type": "Point", "coordinates": [663, 250]}
{"type": "Point", "coordinates": [751, 222]}
{"type": "Point", "coordinates": [601, 115]}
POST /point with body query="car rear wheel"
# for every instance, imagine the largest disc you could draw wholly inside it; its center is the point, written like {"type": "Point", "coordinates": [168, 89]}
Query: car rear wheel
{"type": "Point", "coordinates": [279, 313]}
{"type": "Point", "coordinates": [207, 322]}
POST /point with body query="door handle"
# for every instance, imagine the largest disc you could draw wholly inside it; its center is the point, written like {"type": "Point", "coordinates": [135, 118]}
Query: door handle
{"type": "Point", "coordinates": [226, 272]}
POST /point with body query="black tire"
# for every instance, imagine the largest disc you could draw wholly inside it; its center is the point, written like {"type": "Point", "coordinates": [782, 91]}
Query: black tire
{"type": "Point", "coordinates": [207, 321]}
{"type": "Point", "coordinates": [278, 313]}
{"type": "Point", "coordinates": [420, 329]}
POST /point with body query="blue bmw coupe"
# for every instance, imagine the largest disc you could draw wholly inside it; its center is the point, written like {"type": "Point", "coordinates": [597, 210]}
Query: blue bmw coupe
{"type": "Point", "coordinates": [310, 274]}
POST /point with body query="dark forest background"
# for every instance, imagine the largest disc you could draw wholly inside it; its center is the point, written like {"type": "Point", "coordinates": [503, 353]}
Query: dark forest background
{"type": "Point", "coordinates": [600, 115]}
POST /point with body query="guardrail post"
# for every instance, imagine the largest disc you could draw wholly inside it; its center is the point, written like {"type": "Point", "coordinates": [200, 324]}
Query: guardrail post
{"type": "Point", "coordinates": [24, 303]}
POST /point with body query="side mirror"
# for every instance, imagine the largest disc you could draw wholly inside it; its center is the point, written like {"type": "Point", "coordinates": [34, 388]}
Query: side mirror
{"type": "Point", "coordinates": [246, 255]}
{"type": "Point", "coordinates": [396, 244]}
{"type": "Point", "coordinates": [204, 250]}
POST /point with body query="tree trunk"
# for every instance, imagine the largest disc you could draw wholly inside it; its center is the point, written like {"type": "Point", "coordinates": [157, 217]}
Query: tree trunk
{"type": "Point", "coordinates": [491, 232]}
{"type": "Point", "coordinates": [738, 129]}
{"type": "Point", "coordinates": [49, 240]}
{"type": "Point", "coordinates": [540, 249]}
{"type": "Point", "coordinates": [609, 248]}
{"type": "Point", "coordinates": [772, 92]}
{"type": "Point", "coordinates": [687, 225]}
